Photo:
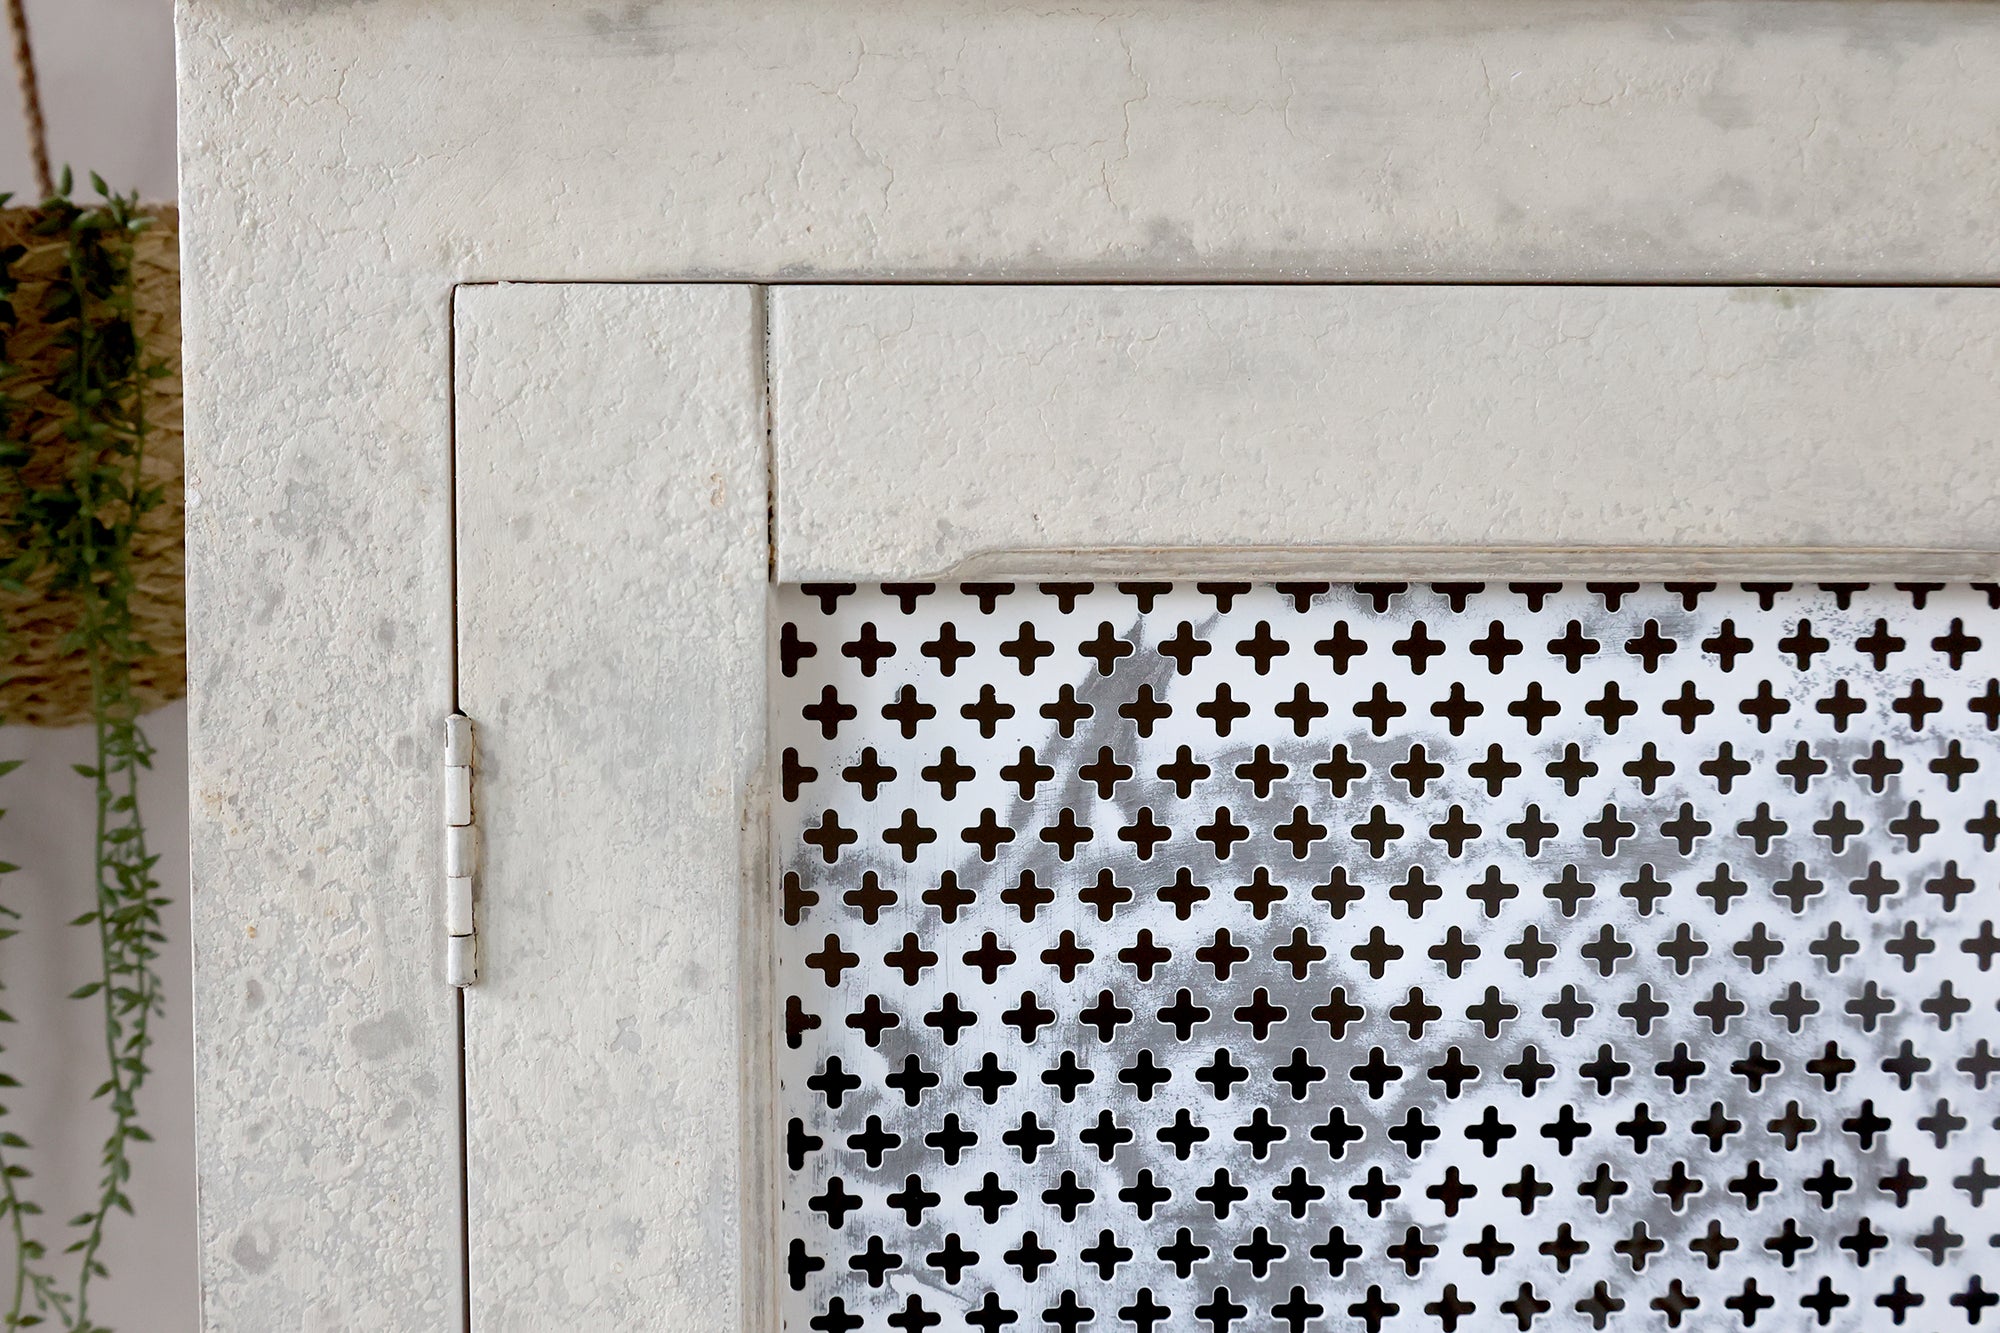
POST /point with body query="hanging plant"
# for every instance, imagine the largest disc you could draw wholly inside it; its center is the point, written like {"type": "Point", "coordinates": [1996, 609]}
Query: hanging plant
{"type": "Point", "coordinates": [90, 587]}
{"type": "Point", "coordinates": [46, 681]}
{"type": "Point", "coordinates": [77, 493]}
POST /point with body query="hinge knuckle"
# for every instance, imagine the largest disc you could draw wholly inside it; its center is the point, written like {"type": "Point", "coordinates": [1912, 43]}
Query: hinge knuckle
{"type": "Point", "coordinates": [461, 853]}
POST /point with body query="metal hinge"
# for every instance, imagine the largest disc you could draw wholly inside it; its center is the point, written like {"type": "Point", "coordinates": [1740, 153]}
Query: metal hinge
{"type": "Point", "coordinates": [461, 853]}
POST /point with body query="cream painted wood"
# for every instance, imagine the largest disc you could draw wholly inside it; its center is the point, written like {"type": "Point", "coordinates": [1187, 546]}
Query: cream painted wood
{"type": "Point", "coordinates": [344, 165]}
{"type": "Point", "coordinates": [1289, 139]}
{"type": "Point", "coordinates": [611, 484]}
{"type": "Point", "coordinates": [920, 428]}
{"type": "Point", "coordinates": [611, 609]}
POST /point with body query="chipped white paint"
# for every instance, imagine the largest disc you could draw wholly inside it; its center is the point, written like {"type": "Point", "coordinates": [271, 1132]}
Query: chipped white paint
{"type": "Point", "coordinates": [918, 427]}
{"type": "Point", "coordinates": [611, 635]}
{"type": "Point", "coordinates": [345, 163]}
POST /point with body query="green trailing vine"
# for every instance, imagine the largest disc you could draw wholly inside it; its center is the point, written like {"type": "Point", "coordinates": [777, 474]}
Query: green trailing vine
{"type": "Point", "coordinates": [70, 527]}
{"type": "Point", "coordinates": [30, 1280]}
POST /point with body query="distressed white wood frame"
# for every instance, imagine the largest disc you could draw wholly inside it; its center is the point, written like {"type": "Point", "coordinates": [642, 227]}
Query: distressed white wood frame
{"type": "Point", "coordinates": [347, 166]}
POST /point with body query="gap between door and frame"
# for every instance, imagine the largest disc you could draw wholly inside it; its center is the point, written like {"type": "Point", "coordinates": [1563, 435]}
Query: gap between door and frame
{"type": "Point", "coordinates": [462, 1147]}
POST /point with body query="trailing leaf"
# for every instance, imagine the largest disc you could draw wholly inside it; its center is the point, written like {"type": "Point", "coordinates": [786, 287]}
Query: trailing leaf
{"type": "Point", "coordinates": [30, 1280]}
{"type": "Point", "coordinates": [71, 530]}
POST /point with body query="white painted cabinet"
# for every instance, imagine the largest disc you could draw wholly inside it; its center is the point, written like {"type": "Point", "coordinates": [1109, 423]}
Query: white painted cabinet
{"type": "Point", "coordinates": [1238, 807]}
{"type": "Point", "coordinates": [855, 292]}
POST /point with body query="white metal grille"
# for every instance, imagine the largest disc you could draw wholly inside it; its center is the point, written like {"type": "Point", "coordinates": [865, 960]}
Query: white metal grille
{"type": "Point", "coordinates": [1210, 956]}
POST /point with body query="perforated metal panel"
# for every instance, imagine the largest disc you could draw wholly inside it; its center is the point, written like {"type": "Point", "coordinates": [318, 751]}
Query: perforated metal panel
{"type": "Point", "coordinates": [1212, 956]}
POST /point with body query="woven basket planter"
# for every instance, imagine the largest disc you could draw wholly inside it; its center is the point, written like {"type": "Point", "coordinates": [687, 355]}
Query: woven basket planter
{"type": "Point", "coordinates": [43, 685]}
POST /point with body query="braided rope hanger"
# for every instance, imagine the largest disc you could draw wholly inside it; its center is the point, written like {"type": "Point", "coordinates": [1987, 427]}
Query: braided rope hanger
{"type": "Point", "coordinates": [31, 97]}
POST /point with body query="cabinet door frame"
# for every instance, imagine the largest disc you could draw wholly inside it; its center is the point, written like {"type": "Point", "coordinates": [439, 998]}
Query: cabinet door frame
{"type": "Point", "coordinates": [660, 388]}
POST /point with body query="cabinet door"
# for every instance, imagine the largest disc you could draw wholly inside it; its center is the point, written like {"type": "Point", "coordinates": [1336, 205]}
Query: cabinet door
{"type": "Point", "coordinates": [1268, 807]}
